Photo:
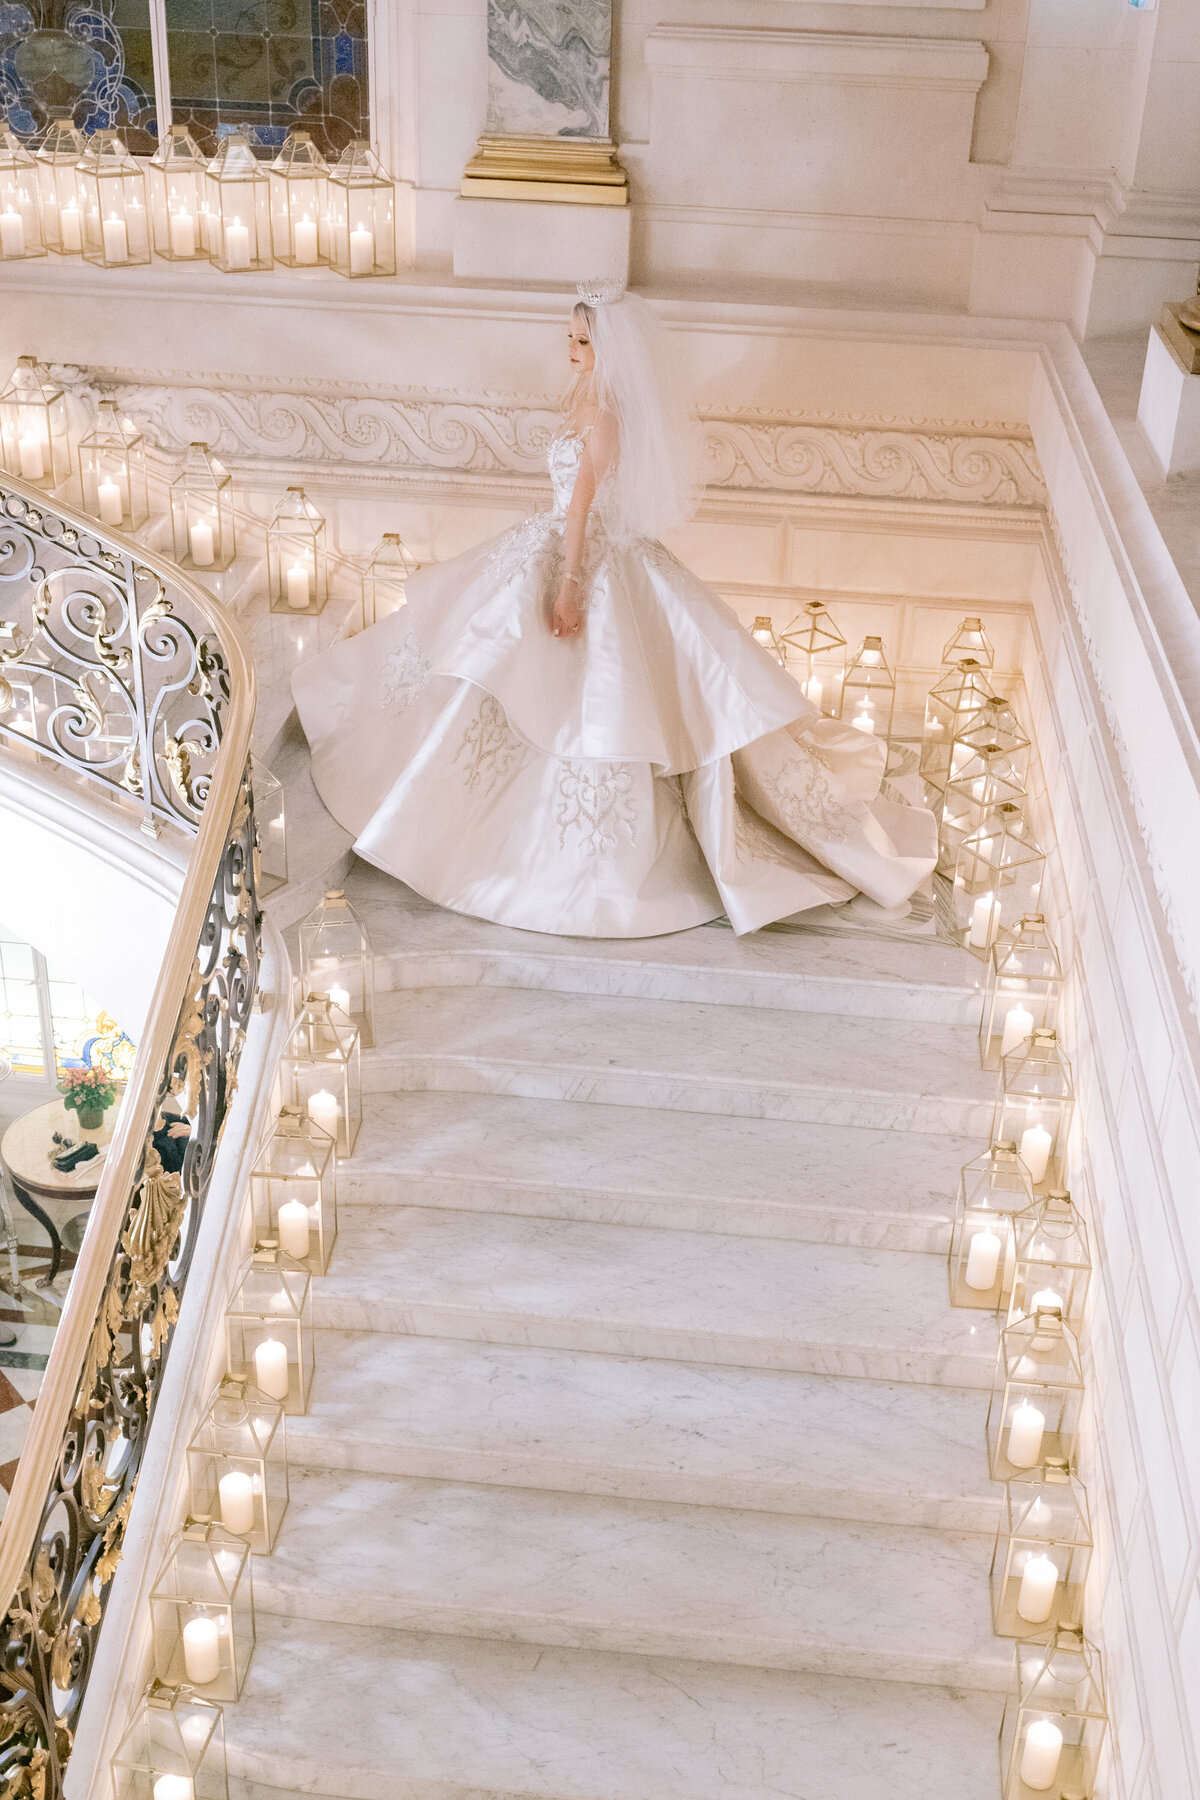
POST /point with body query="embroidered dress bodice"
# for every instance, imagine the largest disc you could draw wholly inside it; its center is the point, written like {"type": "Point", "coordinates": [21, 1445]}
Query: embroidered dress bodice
{"type": "Point", "coordinates": [564, 453]}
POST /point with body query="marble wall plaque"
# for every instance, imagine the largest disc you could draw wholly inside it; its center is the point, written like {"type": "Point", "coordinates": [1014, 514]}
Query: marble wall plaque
{"type": "Point", "coordinates": [548, 67]}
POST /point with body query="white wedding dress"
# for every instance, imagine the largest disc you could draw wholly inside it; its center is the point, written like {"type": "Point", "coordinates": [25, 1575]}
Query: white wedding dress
{"type": "Point", "coordinates": [653, 772]}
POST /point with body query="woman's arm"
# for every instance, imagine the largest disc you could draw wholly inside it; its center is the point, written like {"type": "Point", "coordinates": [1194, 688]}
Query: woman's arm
{"type": "Point", "coordinates": [599, 453]}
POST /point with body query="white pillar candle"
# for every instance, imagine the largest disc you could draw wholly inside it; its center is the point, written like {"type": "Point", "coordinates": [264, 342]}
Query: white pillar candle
{"type": "Point", "coordinates": [1035, 1151]}
{"type": "Point", "coordinates": [815, 689]}
{"type": "Point", "coordinates": [12, 233]}
{"type": "Point", "coordinates": [183, 234]}
{"type": "Point", "coordinates": [862, 721]}
{"type": "Point", "coordinates": [237, 245]}
{"type": "Point", "coordinates": [1035, 1596]}
{"type": "Point", "coordinates": [201, 1650]}
{"type": "Point", "coordinates": [1039, 1759]}
{"type": "Point", "coordinates": [340, 998]}
{"type": "Point", "coordinates": [236, 1492]}
{"type": "Point", "coordinates": [1047, 1300]}
{"type": "Point", "coordinates": [1026, 1429]}
{"type": "Point", "coordinates": [116, 240]}
{"type": "Point", "coordinates": [985, 918]}
{"type": "Point", "coordinates": [1018, 1023]}
{"type": "Point", "coordinates": [304, 240]}
{"type": "Point", "coordinates": [109, 496]}
{"type": "Point", "coordinates": [174, 1787]}
{"type": "Point", "coordinates": [135, 224]}
{"type": "Point", "coordinates": [33, 462]}
{"type": "Point", "coordinates": [293, 1229]}
{"type": "Point", "coordinates": [69, 227]}
{"type": "Point", "coordinates": [983, 1259]}
{"type": "Point", "coordinates": [200, 542]}
{"type": "Point", "coordinates": [324, 1111]}
{"type": "Point", "coordinates": [298, 590]}
{"type": "Point", "coordinates": [362, 251]}
{"type": "Point", "coordinates": [271, 1368]}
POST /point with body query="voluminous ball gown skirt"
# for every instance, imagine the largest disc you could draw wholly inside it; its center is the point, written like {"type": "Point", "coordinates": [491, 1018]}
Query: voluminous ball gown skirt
{"type": "Point", "coordinates": [654, 772]}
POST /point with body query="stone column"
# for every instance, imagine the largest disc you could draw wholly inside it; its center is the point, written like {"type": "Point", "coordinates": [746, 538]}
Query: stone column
{"type": "Point", "coordinates": [547, 143]}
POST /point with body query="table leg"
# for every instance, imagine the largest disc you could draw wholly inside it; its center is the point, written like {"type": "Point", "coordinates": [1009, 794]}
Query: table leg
{"type": "Point", "coordinates": [31, 1206]}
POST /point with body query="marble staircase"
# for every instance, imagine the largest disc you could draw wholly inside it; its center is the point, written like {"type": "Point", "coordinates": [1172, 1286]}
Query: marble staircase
{"type": "Point", "coordinates": [645, 1457]}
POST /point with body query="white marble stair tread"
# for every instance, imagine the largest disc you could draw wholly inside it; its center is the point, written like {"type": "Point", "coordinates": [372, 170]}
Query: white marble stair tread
{"type": "Point", "coordinates": [802, 969]}
{"type": "Point", "coordinates": [641, 1291]}
{"type": "Point", "coordinates": [643, 1429]}
{"type": "Point", "coordinates": [645, 1578]}
{"type": "Point", "coordinates": [633, 1165]}
{"type": "Point", "coordinates": [690, 1057]}
{"type": "Point", "coordinates": [351, 1713]}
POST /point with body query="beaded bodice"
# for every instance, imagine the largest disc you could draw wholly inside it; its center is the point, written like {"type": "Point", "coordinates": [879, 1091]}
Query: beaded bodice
{"type": "Point", "coordinates": [564, 453]}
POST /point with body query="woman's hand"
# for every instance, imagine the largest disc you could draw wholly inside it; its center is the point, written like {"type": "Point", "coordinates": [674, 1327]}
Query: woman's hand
{"type": "Point", "coordinates": [568, 613]}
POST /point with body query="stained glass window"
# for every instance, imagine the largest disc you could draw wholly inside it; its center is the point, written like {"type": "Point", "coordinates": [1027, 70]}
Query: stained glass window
{"type": "Point", "coordinates": [89, 62]}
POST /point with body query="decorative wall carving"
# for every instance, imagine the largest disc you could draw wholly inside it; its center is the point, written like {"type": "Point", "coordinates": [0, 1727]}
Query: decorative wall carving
{"type": "Point", "coordinates": [493, 437]}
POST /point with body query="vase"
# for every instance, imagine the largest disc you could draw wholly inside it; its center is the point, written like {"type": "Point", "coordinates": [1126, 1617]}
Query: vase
{"type": "Point", "coordinates": [90, 1118]}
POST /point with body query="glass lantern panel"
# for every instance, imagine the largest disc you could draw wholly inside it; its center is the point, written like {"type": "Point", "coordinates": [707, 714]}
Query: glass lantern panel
{"type": "Point", "coordinates": [202, 520]}
{"type": "Point", "coordinates": [294, 1191]}
{"type": "Point", "coordinates": [970, 640]}
{"type": "Point", "coordinates": [297, 571]}
{"type": "Point", "coordinates": [176, 1735]}
{"type": "Point", "coordinates": [270, 824]}
{"type": "Point", "coordinates": [362, 214]}
{"type": "Point", "coordinates": [237, 222]}
{"type": "Point", "coordinates": [268, 1330]}
{"type": "Point", "coordinates": [815, 650]}
{"type": "Point", "coordinates": [321, 1068]}
{"type": "Point", "coordinates": [57, 158]}
{"type": "Point", "coordinates": [112, 470]}
{"type": "Point", "coordinates": [1055, 1719]}
{"type": "Point", "coordinates": [997, 877]}
{"type": "Point", "coordinates": [237, 1465]}
{"type": "Point", "coordinates": [763, 633]}
{"type": "Point", "coordinates": [992, 1189]}
{"type": "Point", "coordinates": [20, 202]}
{"type": "Point", "coordinates": [980, 781]}
{"type": "Point", "coordinates": [1041, 1555]}
{"type": "Point", "coordinates": [336, 959]}
{"type": "Point", "coordinates": [385, 582]}
{"type": "Point", "coordinates": [202, 1610]}
{"type": "Point", "coordinates": [949, 704]}
{"type": "Point", "coordinates": [1035, 1104]}
{"type": "Point", "coordinates": [299, 179]}
{"type": "Point", "coordinates": [1023, 988]}
{"type": "Point", "coordinates": [869, 689]}
{"type": "Point", "coordinates": [1036, 1397]}
{"type": "Point", "coordinates": [1053, 1263]}
{"type": "Point", "coordinates": [112, 196]}
{"type": "Point", "coordinates": [33, 426]}
{"type": "Point", "coordinates": [177, 187]}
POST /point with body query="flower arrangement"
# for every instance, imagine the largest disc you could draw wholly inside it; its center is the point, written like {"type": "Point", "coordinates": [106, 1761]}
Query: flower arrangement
{"type": "Point", "coordinates": [89, 1091]}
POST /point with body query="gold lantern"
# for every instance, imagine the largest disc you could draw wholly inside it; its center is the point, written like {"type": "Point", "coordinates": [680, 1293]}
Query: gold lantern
{"type": "Point", "coordinates": [297, 561]}
{"type": "Point", "coordinates": [869, 689]}
{"type": "Point", "coordinates": [322, 1072]}
{"type": "Point", "coordinates": [1052, 1262]}
{"type": "Point", "coordinates": [112, 195]}
{"type": "Point", "coordinates": [270, 823]}
{"type": "Point", "coordinates": [33, 426]}
{"type": "Point", "coordinates": [992, 1190]}
{"type": "Point", "coordinates": [1035, 1104]}
{"type": "Point", "coordinates": [949, 704]}
{"type": "Point", "coordinates": [815, 645]}
{"type": "Point", "coordinates": [178, 192]}
{"type": "Point", "coordinates": [763, 633]}
{"type": "Point", "coordinates": [57, 159]}
{"type": "Point", "coordinates": [20, 202]}
{"type": "Point", "coordinates": [299, 179]}
{"type": "Point", "coordinates": [987, 769]}
{"type": "Point", "coordinates": [1024, 984]}
{"type": "Point", "coordinates": [202, 1612]}
{"type": "Point", "coordinates": [269, 1329]}
{"type": "Point", "coordinates": [1042, 1551]}
{"type": "Point", "coordinates": [386, 579]}
{"type": "Point", "coordinates": [997, 877]}
{"type": "Point", "coordinates": [112, 470]}
{"type": "Point", "coordinates": [202, 521]}
{"type": "Point", "coordinates": [237, 1464]}
{"type": "Point", "coordinates": [336, 959]}
{"type": "Point", "coordinates": [969, 640]}
{"type": "Point", "coordinates": [293, 1190]}
{"type": "Point", "coordinates": [239, 208]}
{"type": "Point", "coordinates": [1036, 1396]}
{"type": "Point", "coordinates": [362, 214]}
{"type": "Point", "coordinates": [1055, 1719]}
{"type": "Point", "coordinates": [173, 1750]}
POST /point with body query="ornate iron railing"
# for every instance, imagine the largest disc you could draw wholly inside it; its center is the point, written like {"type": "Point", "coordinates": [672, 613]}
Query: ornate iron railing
{"type": "Point", "coordinates": [115, 665]}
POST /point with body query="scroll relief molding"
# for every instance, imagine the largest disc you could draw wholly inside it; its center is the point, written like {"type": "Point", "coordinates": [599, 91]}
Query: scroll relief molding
{"type": "Point", "coordinates": [487, 441]}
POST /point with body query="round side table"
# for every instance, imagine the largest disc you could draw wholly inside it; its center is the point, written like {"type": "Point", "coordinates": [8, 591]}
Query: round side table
{"type": "Point", "coordinates": [26, 1150]}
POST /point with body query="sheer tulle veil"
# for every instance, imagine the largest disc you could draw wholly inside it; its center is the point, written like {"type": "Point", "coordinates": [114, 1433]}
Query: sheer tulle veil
{"type": "Point", "coordinates": [658, 478]}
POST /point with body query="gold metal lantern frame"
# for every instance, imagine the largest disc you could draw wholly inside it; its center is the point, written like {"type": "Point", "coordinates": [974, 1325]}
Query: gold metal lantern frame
{"type": "Point", "coordinates": [970, 640]}
{"type": "Point", "coordinates": [112, 195]}
{"type": "Point", "coordinates": [993, 1189]}
{"type": "Point", "coordinates": [815, 651]}
{"type": "Point", "coordinates": [293, 1188]}
{"type": "Point", "coordinates": [1023, 989]}
{"type": "Point", "coordinates": [112, 470]}
{"type": "Point", "coordinates": [238, 217]}
{"type": "Point", "coordinates": [321, 1070]}
{"type": "Point", "coordinates": [868, 698]}
{"type": "Point", "coordinates": [57, 158]}
{"type": "Point", "coordinates": [997, 877]}
{"type": "Point", "coordinates": [203, 529]}
{"type": "Point", "coordinates": [1041, 1555]}
{"type": "Point", "coordinates": [948, 705]}
{"type": "Point", "coordinates": [1036, 1397]}
{"type": "Point", "coordinates": [764, 634]}
{"type": "Point", "coordinates": [1035, 1105]}
{"type": "Point", "coordinates": [1052, 1260]}
{"type": "Point", "coordinates": [362, 214]}
{"type": "Point", "coordinates": [1055, 1719]}
{"type": "Point", "coordinates": [270, 828]}
{"type": "Point", "coordinates": [177, 178]}
{"type": "Point", "coordinates": [33, 426]}
{"type": "Point", "coordinates": [202, 1612]}
{"type": "Point", "coordinates": [336, 959]}
{"type": "Point", "coordinates": [237, 1464]}
{"type": "Point", "coordinates": [988, 767]}
{"type": "Point", "coordinates": [385, 579]}
{"type": "Point", "coordinates": [299, 178]}
{"type": "Point", "coordinates": [174, 1749]}
{"type": "Point", "coordinates": [20, 202]}
{"type": "Point", "coordinates": [297, 557]}
{"type": "Point", "coordinates": [269, 1329]}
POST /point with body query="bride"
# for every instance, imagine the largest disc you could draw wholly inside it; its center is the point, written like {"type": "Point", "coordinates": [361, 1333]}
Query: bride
{"type": "Point", "coordinates": [565, 729]}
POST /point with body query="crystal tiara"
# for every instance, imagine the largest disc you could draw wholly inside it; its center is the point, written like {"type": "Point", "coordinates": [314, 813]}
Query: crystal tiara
{"type": "Point", "coordinates": [600, 293]}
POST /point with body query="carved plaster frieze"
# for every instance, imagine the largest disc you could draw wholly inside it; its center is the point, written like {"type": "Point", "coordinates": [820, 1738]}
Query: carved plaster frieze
{"type": "Point", "coordinates": [489, 438]}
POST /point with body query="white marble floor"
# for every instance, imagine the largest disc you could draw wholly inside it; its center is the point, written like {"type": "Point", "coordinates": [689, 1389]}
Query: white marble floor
{"type": "Point", "coordinates": [645, 1458]}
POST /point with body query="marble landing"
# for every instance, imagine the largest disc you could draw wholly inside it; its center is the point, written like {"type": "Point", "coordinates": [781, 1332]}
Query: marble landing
{"type": "Point", "coordinates": [629, 1165]}
{"type": "Point", "coordinates": [644, 1429]}
{"type": "Point", "coordinates": [694, 1057]}
{"type": "Point", "coordinates": [687, 1296]}
{"type": "Point", "coordinates": [583, 1572]}
{"type": "Point", "coordinates": [469, 1719]}
{"type": "Point", "coordinates": [835, 967]}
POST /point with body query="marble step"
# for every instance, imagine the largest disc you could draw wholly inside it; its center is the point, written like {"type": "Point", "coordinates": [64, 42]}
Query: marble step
{"type": "Point", "coordinates": [319, 854]}
{"type": "Point", "coordinates": [689, 1296]}
{"type": "Point", "coordinates": [643, 1429]}
{"type": "Point", "coordinates": [346, 1712]}
{"type": "Point", "coordinates": [644, 1578]}
{"type": "Point", "coordinates": [693, 1057]}
{"type": "Point", "coordinates": [831, 967]}
{"type": "Point", "coordinates": [630, 1165]}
